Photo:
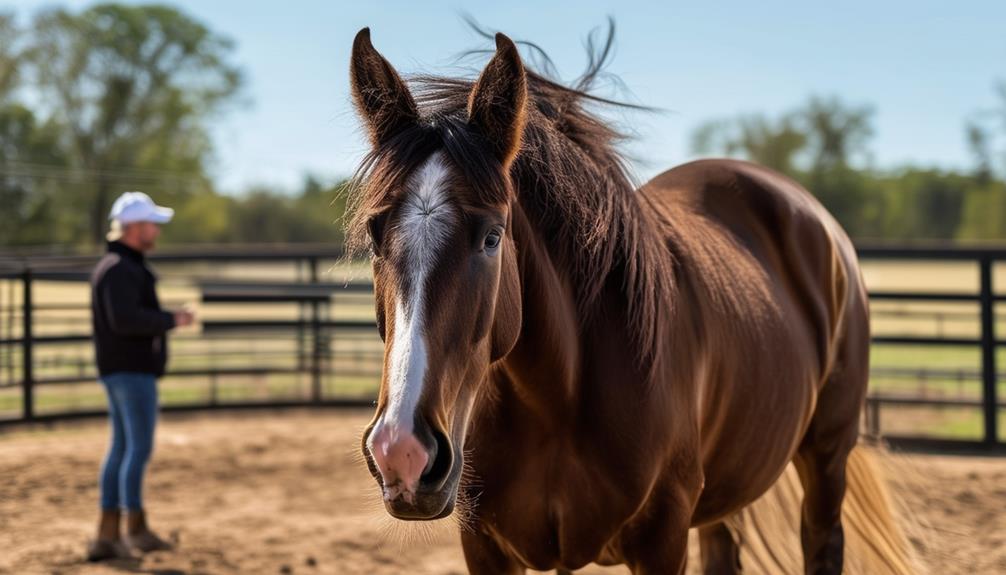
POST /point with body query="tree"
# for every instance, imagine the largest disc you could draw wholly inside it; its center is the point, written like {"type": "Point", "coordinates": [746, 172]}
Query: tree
{"type": "Point", "coordinates": [984, 213]}
{"type": "Point", "coordinates": [817, 144]}
{"type": "Point", "coordinates": [10, 57]}
{"type": "Point", "coordinates": [821, 135]}
{"type": "Point", "coordinates": [838, 137]}
{"type": "Point", "coordinates": [24, 140]}
{"type": "Point", "coordinates": [1000, 118]}
{"type": "Point", "coordinates": [773, 144]}
{"type": "Point", "coordinates": [980, 144]}
{"type": "Point", "coordinates": [28, 203]}
{"type": "Point", "coordinates": [922, 203]}
{"type": "Point", "coordinates": [133, 87]}
{"type": "Point", "coordinates": [837, 134]}
{"type": "Point", "coordinates": [203, 219]}
{"type": "Point", "coordinates": [984, 208]}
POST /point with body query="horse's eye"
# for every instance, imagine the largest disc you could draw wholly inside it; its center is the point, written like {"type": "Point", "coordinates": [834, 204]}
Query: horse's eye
{"type": "Point", "coordinates": [493, 240]}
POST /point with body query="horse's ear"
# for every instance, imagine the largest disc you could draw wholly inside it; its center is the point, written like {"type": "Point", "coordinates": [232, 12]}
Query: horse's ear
{"type": "Point", "coordinates": [381, 96]}
{"type": "Point", "coordinates": [496, 105]}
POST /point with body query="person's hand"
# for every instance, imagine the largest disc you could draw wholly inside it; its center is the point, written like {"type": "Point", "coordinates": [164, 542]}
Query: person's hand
{"type": "Point", "coordinates": [184, 318]}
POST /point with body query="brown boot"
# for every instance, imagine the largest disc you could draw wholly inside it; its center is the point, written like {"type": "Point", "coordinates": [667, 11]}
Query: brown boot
{"type": "Point", "coordinates": [139, 537]}
{"type": "Point", "coordinates": [107, 545]}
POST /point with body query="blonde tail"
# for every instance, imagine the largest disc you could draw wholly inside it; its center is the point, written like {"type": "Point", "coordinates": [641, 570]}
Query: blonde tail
{"type": "Point", "coordinates": [875, 543]}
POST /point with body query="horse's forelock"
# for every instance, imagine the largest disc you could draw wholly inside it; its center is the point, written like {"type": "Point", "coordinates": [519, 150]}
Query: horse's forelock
{"type": "Point", "coordinates": [384, 172]}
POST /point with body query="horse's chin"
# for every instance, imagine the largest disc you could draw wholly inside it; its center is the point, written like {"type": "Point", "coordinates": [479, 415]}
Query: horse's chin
{"type": "Point", "coordinates": [427, 507]}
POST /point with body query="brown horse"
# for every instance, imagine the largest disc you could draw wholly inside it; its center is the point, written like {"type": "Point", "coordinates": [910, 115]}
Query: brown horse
{"type": "Point", "coordinates": [613, 366]}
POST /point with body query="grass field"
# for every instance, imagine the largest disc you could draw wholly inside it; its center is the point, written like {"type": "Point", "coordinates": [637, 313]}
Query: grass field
{"type": "Point", "coordinates": [354, 360]}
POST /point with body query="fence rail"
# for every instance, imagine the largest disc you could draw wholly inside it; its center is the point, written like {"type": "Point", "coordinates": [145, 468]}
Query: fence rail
{"type": "Point", "coordinates": [315, 330]}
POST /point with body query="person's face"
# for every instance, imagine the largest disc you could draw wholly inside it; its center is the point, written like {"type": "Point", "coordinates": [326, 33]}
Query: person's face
{"type": "Point", "coordinates": [142, 236]}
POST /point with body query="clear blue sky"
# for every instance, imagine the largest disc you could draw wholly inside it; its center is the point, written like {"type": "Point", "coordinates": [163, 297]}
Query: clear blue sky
{"type": "Point", "coordinates": [925, 66]}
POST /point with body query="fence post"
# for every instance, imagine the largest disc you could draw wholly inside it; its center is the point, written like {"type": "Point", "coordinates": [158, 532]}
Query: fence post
{"type": "Point", "coordinates": [28, 363]}
{"type": "Point", "coordinates": [301, 351]}
{"type": "Point", "coordinates": [873, 418]}
{"type": "Point", "coordinates": [990, 402]}
{"type": "Point", "coordinates": [316, 337]}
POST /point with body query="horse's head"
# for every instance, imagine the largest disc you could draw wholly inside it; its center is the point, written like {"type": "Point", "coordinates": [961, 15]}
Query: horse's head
{"type": "Point", "coordinates": [437, 210]}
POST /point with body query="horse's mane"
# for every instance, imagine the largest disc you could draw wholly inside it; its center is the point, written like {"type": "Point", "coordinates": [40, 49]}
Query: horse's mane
{"type": "Point", "coordinates": [568, 176]}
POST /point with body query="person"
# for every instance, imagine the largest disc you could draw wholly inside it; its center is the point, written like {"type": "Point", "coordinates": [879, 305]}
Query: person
{"type": "Point", "coordinates": [130, 337]}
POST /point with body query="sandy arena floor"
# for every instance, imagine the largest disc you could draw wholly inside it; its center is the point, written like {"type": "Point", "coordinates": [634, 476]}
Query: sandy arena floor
{"type": "Point", "coordinates": [283, 493]}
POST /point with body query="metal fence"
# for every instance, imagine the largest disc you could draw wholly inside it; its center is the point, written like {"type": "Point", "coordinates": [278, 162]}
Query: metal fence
{"type": "Point", "coordinates": [294, 356]}
{"type": "Point", "coordinates": [985, 341]}
{"type": "Point", "coordinates": [290, 326]}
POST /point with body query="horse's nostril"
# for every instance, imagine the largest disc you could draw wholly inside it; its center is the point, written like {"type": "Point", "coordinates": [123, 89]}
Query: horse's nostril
{"type": "Point", "coordinates": [440, 466]}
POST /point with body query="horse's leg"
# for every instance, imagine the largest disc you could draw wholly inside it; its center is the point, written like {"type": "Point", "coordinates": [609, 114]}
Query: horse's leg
{"type": "Point", "coordinates": [821, 460]}
{"type": "Point", "coordinates": [484, 556]}
{"type": "Point", "coordinates": [668, 554]}
{"type": "Point", "coordinates": [720, 553]}
{"type": "Point", "coordinates": [657, 542]}
{"type": "Point", "coordinates": [822, 473]}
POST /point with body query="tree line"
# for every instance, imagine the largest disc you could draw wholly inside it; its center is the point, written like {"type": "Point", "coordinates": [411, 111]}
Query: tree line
{"type": "Point", "coordinates": [113, 98]}
{"type": "Point", "coordinates": [825, 145]}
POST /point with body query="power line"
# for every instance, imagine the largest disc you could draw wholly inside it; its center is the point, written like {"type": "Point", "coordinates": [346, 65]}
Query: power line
{"type": "Point", "coordinates": [81, 176]}
{"type": "Point", "coordinates": [123, 171]}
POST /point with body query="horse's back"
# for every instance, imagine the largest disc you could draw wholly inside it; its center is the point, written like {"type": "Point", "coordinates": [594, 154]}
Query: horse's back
{"type": "Point", "coordinates": [741, 223]}
{"type": "Point", "coordinates": [774, 289]}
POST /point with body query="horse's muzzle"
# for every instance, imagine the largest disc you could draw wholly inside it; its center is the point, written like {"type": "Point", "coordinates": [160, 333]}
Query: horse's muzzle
{"type": "Point", "coordinates": [418, 473]}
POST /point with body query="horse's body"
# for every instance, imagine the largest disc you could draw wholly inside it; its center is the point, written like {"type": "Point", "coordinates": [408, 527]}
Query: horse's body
{"type": "Point", "coordinates": [777, 291]}
{"type": "Point", "coordinates": [581, 451]}
{"type": "Point", "coordinates": [614, 366]}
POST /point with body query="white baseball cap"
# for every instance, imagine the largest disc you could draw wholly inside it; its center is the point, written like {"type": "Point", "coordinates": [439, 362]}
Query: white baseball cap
{"type": "Point", "coordinates": [138, 207]}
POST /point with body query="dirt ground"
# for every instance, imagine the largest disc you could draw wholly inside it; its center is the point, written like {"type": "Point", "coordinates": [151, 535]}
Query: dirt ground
{"type": "Point", "coordinates": [285, 493]}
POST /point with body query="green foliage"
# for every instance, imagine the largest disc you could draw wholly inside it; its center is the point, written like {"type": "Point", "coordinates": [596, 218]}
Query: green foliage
{"type": "Point", "coordinates": [773, 144]}
{"type": "Point", "coordinates": [29, 208]}
{"type": "Point", "coordinates": [260, 216]}
{"type": "Point", "coordinates": [119, 97]}
{"type": "Point", "coordinates": [130, 89]}
{"type": "Point", "coordinates": [10, 56]}
{"type": "Point", "coordinates": [203, 218]}
{"type": "Point", "coordinates": [984, 214]}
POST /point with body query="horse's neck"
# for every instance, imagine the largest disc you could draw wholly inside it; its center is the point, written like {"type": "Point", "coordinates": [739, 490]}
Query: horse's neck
{"type": "Point", "coordinates": [543, 367]}
{"type": "Point", "coordinates": [559, 351]}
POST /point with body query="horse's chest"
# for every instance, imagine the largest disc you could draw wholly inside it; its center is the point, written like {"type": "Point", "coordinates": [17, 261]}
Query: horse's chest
{"type": "Point", "coordinates": [556, 507]}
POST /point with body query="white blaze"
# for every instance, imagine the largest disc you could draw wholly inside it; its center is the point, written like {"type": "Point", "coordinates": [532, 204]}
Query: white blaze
{"type": "Point", "coordinates": [421, 232]}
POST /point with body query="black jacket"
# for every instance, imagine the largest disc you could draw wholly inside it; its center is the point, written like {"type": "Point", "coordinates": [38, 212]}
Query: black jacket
{"type": "Point", "coordinates": [129, 326]}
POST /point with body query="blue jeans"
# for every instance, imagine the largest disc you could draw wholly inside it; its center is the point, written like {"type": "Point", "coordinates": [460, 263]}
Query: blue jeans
{"type": "Point", "coordinates": [132, 410]}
